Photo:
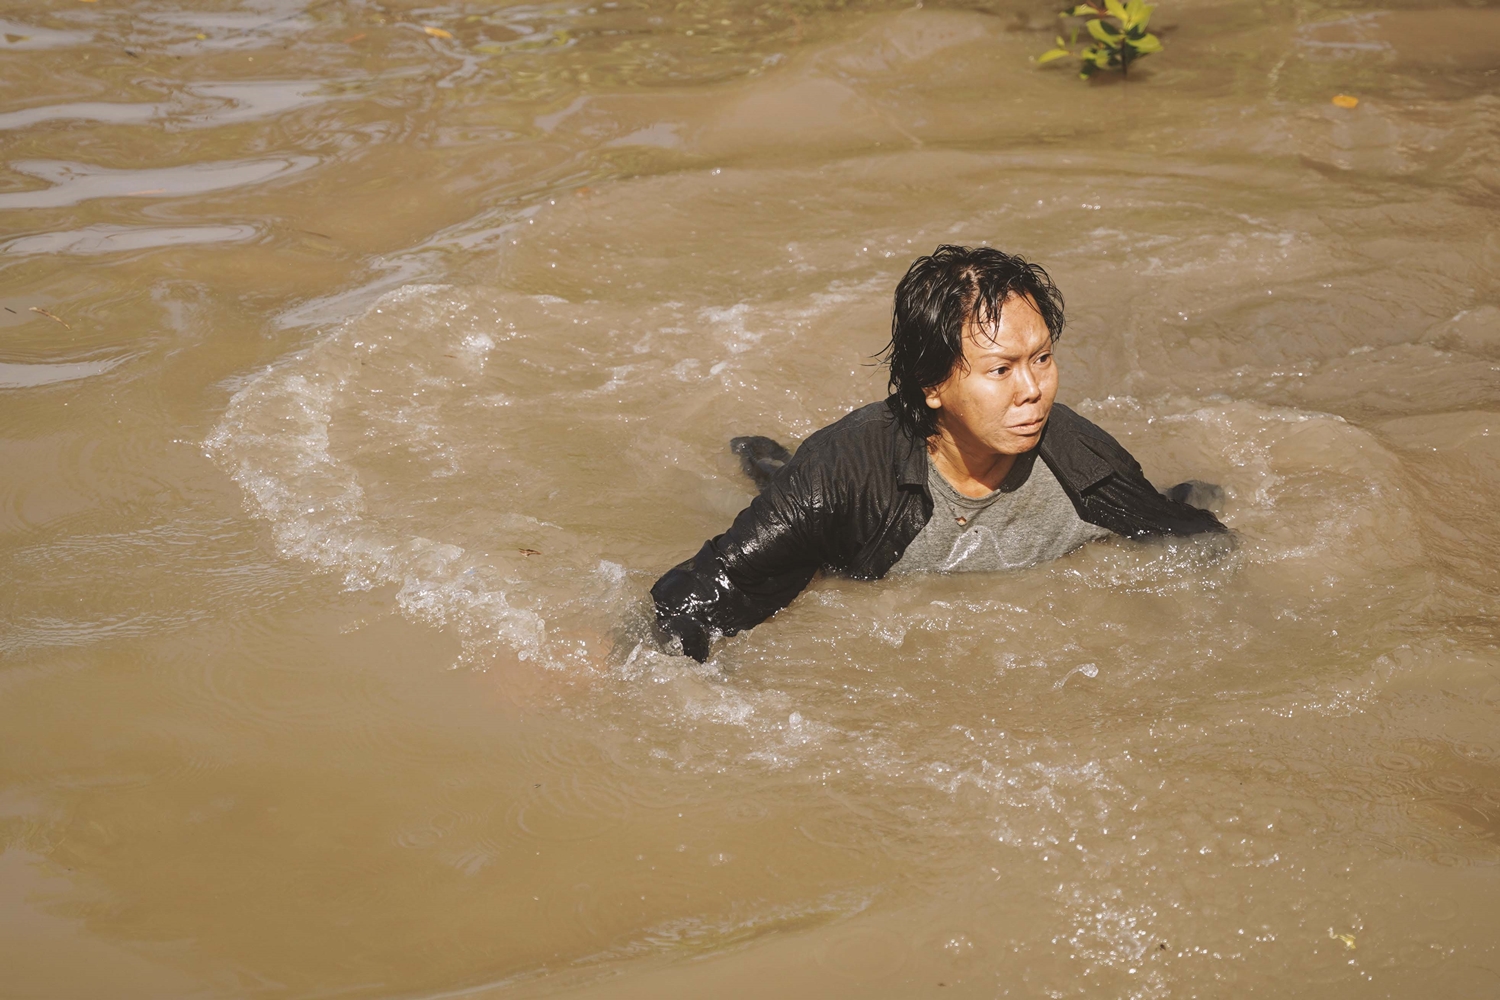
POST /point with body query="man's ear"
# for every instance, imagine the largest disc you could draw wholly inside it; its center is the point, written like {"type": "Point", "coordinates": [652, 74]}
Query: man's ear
{"type": "Point", "coordinates": [934, 401]}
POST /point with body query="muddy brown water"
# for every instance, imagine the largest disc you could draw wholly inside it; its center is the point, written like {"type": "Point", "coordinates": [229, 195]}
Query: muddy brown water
{"type": "Point", "coordinates": [357, 380]}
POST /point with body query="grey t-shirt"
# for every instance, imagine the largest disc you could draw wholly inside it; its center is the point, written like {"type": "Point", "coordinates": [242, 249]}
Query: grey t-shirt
{"type": "Point", "coordinates": [1028, 520]}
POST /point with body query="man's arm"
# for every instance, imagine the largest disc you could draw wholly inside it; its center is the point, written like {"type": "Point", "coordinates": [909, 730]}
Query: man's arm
{"type": "Point", "coordinates": [1134, 507]}
{"type": "Point", "coordinates": [1108, 487]}
{"type": "Point", "coordinates": [744, 576]}
{"type": "Point", "coordinates": [1138, 510]}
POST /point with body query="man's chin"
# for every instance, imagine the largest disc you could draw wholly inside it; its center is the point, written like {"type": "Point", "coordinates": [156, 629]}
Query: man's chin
{"type": "Point", "coordinates": [1016, 444]}
{"type": "Point", "coordinates": [1023, 440]}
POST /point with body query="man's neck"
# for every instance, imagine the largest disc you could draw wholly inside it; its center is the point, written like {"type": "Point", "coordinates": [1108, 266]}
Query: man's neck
{"type": "Point", "coordinates": [972, 471]}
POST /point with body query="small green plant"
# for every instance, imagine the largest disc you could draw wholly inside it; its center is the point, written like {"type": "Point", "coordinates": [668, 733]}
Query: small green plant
{"type": "Point", "coordinates": [1119, 36]}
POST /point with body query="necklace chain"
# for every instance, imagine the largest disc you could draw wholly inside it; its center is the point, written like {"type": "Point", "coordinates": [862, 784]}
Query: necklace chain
{"type": "Point", "coordinates": [953, 508]}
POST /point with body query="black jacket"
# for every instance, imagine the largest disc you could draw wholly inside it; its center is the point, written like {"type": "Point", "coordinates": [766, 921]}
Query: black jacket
{"type": "Point", "coordinates": [852, 499]}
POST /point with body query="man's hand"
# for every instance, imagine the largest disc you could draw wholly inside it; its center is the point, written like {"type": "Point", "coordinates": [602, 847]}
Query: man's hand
{"type": "Point", "coordinates": [690, 634]}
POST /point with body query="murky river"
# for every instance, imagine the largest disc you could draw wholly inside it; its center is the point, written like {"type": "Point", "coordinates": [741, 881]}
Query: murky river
{"type": "Point", "coordinates": [362, 364]}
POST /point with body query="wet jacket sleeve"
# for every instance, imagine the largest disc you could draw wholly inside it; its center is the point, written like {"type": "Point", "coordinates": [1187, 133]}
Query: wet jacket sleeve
{"type": "Point", "coordinates": [744, 576]}
{"type": "Point", "coordinates": [1126, 503]}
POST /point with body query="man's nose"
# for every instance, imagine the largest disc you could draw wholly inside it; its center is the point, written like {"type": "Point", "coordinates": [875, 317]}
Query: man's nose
{"type": "Point", "coordinates": [1028, 389]}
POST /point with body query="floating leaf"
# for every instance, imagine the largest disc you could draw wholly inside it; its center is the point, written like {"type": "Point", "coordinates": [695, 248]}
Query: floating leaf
{"type": "Point", "coordinates": [1346, 101]}
{"type": "Point", "coordinates": [1104, 31]}
{"type": "Point", "coordinates": [1117, 29]}
{"type": "Point", "coordinates": [1137, 13]}
{"type": "Point", "coordinates": [436, 32]}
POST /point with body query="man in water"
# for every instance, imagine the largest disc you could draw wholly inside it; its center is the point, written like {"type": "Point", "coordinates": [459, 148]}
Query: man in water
{"type": "Point", "coordinates": [942, 475]}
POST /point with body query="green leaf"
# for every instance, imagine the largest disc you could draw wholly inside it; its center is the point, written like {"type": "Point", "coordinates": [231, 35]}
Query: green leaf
{"type": "Point", "coordinates": [1060, 43]}
{"type": "Point", "coordinates": [1137, 15]}
{"type": "Point", "coordinates": [1104, 31]}
{"type": "Point", "coordinates": [1115, 8]}
{"type": "Point", "coordinates": [1084, 10]}
{"type": "Point", "coordinates": [1148, 44]}
{"type": "Point", "coordinates": [1052, 54]}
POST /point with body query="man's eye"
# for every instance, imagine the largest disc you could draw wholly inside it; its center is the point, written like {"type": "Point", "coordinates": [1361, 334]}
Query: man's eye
{"type": "Point", "coordinates": [1002, 370]}
{"type": "Point", "coordinates": [1044, 359]}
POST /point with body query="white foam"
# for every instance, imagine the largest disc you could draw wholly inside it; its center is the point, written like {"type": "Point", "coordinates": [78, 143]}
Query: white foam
{"type": "Point", "coordinates": [274, 440]}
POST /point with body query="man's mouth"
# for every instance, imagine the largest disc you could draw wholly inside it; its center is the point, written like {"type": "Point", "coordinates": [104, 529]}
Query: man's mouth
{"type": "Point", "coordinates": [1028, 427]}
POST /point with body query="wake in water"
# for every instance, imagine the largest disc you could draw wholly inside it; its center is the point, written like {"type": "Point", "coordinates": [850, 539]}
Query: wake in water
{"type": "Point", "coordinates": [450, 445]}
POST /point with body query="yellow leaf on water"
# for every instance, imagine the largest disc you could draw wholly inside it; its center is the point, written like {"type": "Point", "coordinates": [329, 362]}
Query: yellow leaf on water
{"type": "Point", "coordinates": [1345, 101]}
{"type": "Point", "coordinates": [437, 32]}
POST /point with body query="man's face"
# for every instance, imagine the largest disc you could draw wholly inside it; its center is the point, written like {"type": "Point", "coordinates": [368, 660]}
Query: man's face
{"type": "Point", "coordinates": [1000, 400]}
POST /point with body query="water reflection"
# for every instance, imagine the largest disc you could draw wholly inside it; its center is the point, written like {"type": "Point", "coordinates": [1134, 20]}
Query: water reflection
{"type": "Point", "coordinates": [96, 111]}
{"type": "Point", "coordinates": [72, 183]}
{"type": "Point", "coordinates": [115, 239]}
{"type": "Point", "coordinates": [16, 36]}
{"type": "Point", "coordinates": [248, 100]}
{"type": "Point", "coordinates": [14, 376]}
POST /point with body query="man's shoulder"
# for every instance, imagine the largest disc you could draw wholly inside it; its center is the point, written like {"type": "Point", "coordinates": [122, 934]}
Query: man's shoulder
{"type": "Point", "coordinates": [1075, 425]}
{"type": "Point", "coordinates": [871, 425]}
{"type": "Point", "coordinates": [1081, 452]}
{"type": "Point", "coordinates": [862, 450]}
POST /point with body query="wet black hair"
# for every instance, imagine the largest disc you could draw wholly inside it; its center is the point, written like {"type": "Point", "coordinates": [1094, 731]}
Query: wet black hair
{"type": "Point", "coordinates": [938, 295]}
